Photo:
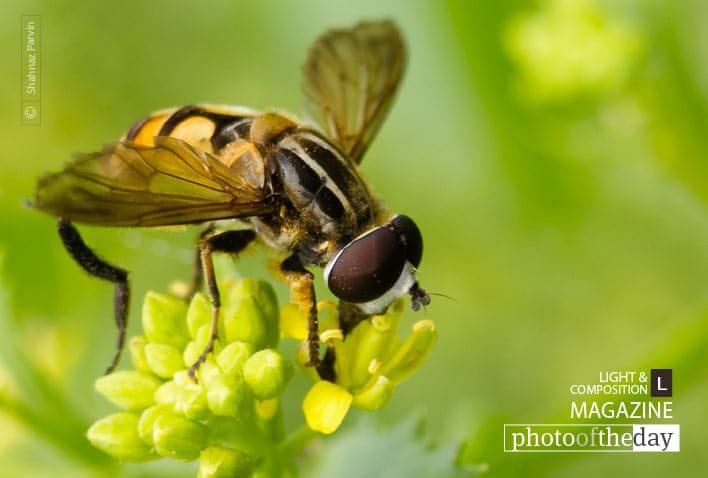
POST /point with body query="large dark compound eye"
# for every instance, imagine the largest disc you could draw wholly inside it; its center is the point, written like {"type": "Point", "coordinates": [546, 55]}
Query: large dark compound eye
{"type": "Point", "coordinates": [367, 267]}
{"type": "Point", "coordinates": [372, 264]}
{"type": "Point", "coordinates": [410, 237]}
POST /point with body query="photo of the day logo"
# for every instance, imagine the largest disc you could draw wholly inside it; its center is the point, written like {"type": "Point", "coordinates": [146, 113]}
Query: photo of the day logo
{"type": "Point", "coordinates": [661, 382]}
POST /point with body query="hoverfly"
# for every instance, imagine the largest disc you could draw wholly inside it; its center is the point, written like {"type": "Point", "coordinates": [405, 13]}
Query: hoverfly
{"type": "Point", "coordinates": [298, 188]}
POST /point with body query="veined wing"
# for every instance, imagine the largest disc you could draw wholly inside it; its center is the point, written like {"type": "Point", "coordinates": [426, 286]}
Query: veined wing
{"type": "Point", "coordinates": [350, 80]}
{"type": "Point", "coordinates": [166, 184]}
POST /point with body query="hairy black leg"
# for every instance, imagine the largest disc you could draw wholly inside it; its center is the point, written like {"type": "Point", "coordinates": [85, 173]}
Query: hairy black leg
{"type": "Point", "coordinates": [94, 265]}
{"type": "Point", "coordinates": [302, 292]}
{"type": "Point", "coordinates": [230, 242]}
{"type": "Point", "coordinates": [325, 369]}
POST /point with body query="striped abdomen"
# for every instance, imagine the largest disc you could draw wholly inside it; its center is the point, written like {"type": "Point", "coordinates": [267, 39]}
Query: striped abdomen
{"type": "Point", "coordinates": [208, 127]}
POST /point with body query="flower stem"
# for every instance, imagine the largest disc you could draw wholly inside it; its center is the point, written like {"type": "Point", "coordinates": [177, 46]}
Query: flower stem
{"type": "Point", "coordinates": [297, 442]}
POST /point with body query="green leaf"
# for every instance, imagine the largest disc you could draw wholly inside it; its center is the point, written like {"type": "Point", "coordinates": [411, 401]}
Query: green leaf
{"type": "Point", "coordinates": [401, 451]}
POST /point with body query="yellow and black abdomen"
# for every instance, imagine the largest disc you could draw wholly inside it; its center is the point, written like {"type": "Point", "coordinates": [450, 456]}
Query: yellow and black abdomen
{"type": "Point", "coordinates": [221, 131]}
{"type": "Point", "coordinates": [207, 127]}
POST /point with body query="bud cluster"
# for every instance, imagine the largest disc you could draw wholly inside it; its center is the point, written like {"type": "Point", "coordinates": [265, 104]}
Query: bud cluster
{"type": "Point", "coordinates": [224, 418]}
{"type": "Point", "coordinates": [229, 417]}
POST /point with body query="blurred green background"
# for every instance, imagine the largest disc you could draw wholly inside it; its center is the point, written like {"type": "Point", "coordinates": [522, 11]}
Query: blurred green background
{"type": "Point", "coordinates": [554, 154]}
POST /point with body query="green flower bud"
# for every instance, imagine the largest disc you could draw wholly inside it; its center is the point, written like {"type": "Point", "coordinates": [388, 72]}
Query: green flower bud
{"type": "Point", "coordinates": [118, 436]}
{"type": "Point", "coordinates": [208, 371]}
{"type": "Point", "coordinates": [163, 360]}
{"type": "Point", "coordinates": [166, 393]}
{"type": "Point", "coordinates": [129, 389]}
{"type": "Point", "coordinates": [176, 437]}
{"type": "Point", "coordinates": [262, 291]}
{"type": "Point", "coordinates": [412, 353]}
{"type": "Point", "coordinates": [192, 352]}
{"type": "Point", "coordinates": [227, 396]}
{"type": "Point", "coordinates": [136, 345]}
{"type": "Point", "coordinates": [233, 357]}
{"type": "Point", "coordinates": [164, 320]}
{"type": "Point", "coordinates": [264, 296]}
{"type": "Point", "coordinates": [267, 373]}
{"type": "Point", "coordinates": [198, 314]}
{"type": "Point", "coordinates": [196, 347]}
{"type": "Point", "coordinates": [375, 396]}
{"type": "Point", "coordinates": [191, 400]}
{"type": "Point", "coordinates": [147, 421]}
{"type": "Point", "coordinates": [246, 323]}
{"type": "Point", "coordinates": [220, 462]}
{"type": "Point", "coordinates": [203, 337]}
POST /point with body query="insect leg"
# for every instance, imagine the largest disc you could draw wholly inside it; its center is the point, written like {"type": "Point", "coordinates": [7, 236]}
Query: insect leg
{"type": "Point", "coordinates": [197, 275]}
{"type": "Point", "coordinates": [94, 265]}
{"type": "Point", "coordinates": [302, 292]}
{"type": "Point", "coordinates": [198, 271]}
{"type": "Point", "coordinates": [230, 242]}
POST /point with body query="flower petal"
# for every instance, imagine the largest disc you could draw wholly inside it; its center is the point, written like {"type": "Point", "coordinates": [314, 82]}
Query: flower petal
{"type": "Point", "coordinates": [412, 353]}
{"type": "Point", "coordinates": [325, 406]}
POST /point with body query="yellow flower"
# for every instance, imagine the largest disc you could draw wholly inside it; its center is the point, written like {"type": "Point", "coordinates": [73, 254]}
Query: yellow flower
{"type": "Point", "coordinates": [368, 363]}
{"type": "Point", "coordinates": [325, 406]}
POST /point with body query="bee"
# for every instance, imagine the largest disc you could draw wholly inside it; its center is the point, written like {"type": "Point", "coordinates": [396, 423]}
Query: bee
{"type": "Point", "coordinates": [297, 188]}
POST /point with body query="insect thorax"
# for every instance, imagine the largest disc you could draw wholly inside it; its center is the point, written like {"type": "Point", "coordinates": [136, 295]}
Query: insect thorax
{"type": "Point", "coordinates": [325, 201]}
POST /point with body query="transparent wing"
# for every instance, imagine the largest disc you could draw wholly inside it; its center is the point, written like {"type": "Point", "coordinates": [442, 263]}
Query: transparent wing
{"type": "Point", "coordinates": [166, 184]}
{"type": "Point", "coordinates": [350, 79]}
